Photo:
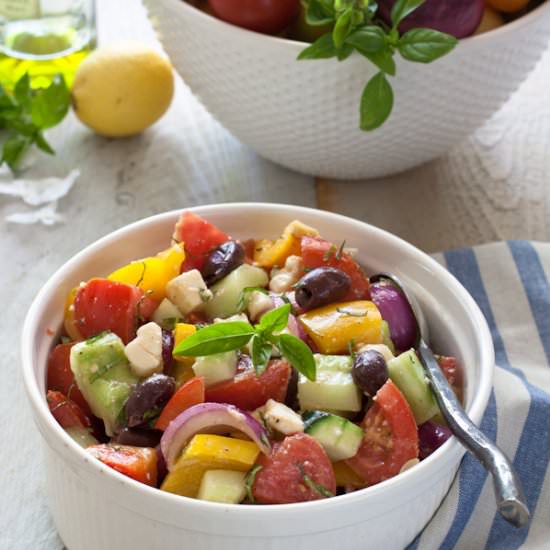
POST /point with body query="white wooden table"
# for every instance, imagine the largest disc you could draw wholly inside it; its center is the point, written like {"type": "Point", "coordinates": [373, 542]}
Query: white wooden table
{"type": "Point", "coordinates": [495, 185]}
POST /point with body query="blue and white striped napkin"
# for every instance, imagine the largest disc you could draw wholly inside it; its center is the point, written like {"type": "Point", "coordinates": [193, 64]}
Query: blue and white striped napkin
{"type": "Point", "coordinates": [510, 283]}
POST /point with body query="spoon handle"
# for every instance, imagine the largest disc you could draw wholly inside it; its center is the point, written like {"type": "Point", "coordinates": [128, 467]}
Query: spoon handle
{"type": "Point", "coordinates": [508, 491]}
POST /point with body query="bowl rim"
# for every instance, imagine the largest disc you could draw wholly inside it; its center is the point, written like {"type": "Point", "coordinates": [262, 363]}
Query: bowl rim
{"type": "Point", "coordinates": [434, 462]}
{"type": "Point", "coordinates": [511, 26]}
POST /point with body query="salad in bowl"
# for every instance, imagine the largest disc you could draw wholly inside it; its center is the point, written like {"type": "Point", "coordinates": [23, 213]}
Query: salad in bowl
{"type": "Point", "coordinates": [263, 371]}
{"type": "Point", "coordinates": [143, 450]}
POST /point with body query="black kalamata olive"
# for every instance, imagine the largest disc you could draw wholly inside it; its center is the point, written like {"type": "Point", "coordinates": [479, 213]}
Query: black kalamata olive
{"type": "Point", "coordinates": [162, 470]}
{"type": "Point", "coordinates": [369, 371]}
{"type": "Point", "coordinates": [430, 437]}
{"type": "Point", "coordinates": [148, 399]}
{"type": "Point", "coordinates": [167, 348]}
{"type": "Point", "coordinates": [222, 261]}
{"type": "Point", "coordinates": [291, 399]}
{"type": "Point", "coordinates": [138, 437]}
{"type": "Point", "coordinates": [321, 286]}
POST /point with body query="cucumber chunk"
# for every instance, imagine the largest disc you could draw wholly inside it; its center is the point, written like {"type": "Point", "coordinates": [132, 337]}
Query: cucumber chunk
{"type": "Point", "coordinates": [340, 437]}
{"type": "Point", "coordinates": [228, 290]}
{"type": "Point", "coordinates": [224, 486]}
{"type": "Point", "coordinates": [102, 373]}
{"type": "Point", "coordinates": [216, 368]}
{"type": "Point", "coordinates": [333, 387]}
{"type": "Point", "coordinates": [407, 374]}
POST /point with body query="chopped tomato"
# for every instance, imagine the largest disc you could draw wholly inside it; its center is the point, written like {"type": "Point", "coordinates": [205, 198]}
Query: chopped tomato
{"type": "Point", "coordinates": [391, 437]}
{"type": "Point", "coordinates": [297, 470]}
{"type": "Point", "coordinates": [249, 391]}
{"type": "Point", "coordinates": [191, 393]}
{"type": "Point", "coordinates": [453, 373]}
{"type": "Point", "coordinates": [60, 377]}
{"type": "Point", "coordinates": [66, 412]}
{"type": "Point", "coordinates": [139, 463]}
{"type": "Point", "coordinates": [109, 305]}
{"type": "Point", "coordinates": [317, 252]}
{"type": "Point", "coordinates": [199, 237]}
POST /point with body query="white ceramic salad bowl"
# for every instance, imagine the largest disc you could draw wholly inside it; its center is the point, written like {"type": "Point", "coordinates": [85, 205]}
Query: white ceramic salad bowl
{"type": "Point", "coordinates": [95, 507]}
{"type": "Point", "coordinates": [305, 115]}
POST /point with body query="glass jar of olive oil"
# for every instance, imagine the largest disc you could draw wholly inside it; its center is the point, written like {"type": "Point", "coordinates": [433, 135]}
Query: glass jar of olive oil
{"type": "Point", "coordinates": [44, 38]}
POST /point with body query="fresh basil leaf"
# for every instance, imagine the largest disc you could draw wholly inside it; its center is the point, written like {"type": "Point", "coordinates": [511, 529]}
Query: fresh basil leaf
{"type": "Point", "coordinates": [298, 354]}
{"type": "Point", "coordinates": [216, 338]}
{"type": "Point", "coordinates": [344, 52]}
{"type": "Point", "coordinates": [23, 92]}
{"type": "Point", "coordinates": [244, 296]}
{"type": "Point", "coordinates": [368, 39]}
{"type": "Point", "coordinates": [13, 149]}
{"type": "Point", "coordinates": [425, 45]}
{"type": "Point", "coordinates": [319, 12]}
{"type": "Point", "coordinates": [376, 102]}
{"type": "Point", "coordinates": [50, 105]}
{"type": "Point", "coordinates": [249, 482]}
{"type": "Point", "coordinates": [274, 320]}
{"type": "Point", "coordinates": [383, 60]}
{"type": "Point", "coordinates": [42, 144]}
{"type": "Point", "coordinates": [402, 8]}
{"type": "Point", "coordinates": [342, 28]}
{"type": "Point", "coordinates": [6, 100]}
{"type": "Point", "coordinates": [316, 487]}
{"type": "Point", "coordinates": [322, 48]}
{"type": "Point", "coordinates": [261, 353]}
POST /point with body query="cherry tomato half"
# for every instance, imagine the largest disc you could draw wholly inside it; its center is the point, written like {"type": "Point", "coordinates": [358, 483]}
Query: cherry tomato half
{"type": "Point", "coordinates": [267, 16]}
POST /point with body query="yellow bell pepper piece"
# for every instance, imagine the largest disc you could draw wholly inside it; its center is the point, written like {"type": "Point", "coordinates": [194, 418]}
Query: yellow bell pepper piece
{"type": "Point", "coordinates": [208, 452]}
{"type": "Point", "coordinates": [274, 253]}
{"type": "Point", "coordinates": [333, 327]}
{"type": "Point", "coordinates": [345, 476]}
{"type": "Point", "coordinates": [69, 322]}
{"type": "Point", "coordinates": [152, 274]}
{"type": "Point", "coordinates": [182, 371]}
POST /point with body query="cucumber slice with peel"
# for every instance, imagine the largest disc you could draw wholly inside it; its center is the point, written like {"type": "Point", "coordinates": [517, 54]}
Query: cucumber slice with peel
{"type": "Point", "coordinates": [224, 486]}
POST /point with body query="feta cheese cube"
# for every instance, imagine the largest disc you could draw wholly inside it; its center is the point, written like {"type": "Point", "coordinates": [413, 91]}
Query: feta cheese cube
{"type": "Point", "coordinates": [282, 418]}
{"type": "Point", "coordinates": [165, 312]}
{"type": "Point", "coordinates": [258, 304]}
{"type": "Point", "coordinates": [144, 352]}
{"type": "Point", "coordinates": [216, 368]}
{"type": "Point", "coordinates": [188, 291]}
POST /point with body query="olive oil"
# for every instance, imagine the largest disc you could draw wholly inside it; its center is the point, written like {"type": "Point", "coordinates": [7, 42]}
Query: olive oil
{"type": "Point", "coordinates": [37, 39]}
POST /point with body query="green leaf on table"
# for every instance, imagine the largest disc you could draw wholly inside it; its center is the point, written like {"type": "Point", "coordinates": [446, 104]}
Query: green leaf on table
{"type": "Point", "coordinates": [13, 149]}
{"type": "Point", "coordinates": [322, 48]}
{"type": "Point", "coordinates": [216, 338]}
{"type": "Point", "coordinates": [261, 353]}
{"type": "Point", "coordinates": [42, 144]}
{"type": "Point", "coordinates": [403, 8]}
{"type": "Point", "coordinates": [274, 320]}
{"type": "Point", "coordinates": [425, 45]}
{"type": "Point", "coordinates": [298, 354]}
{"type": "Point", "coordinates": [376, 102]}
{"type": "Point", "coordinates": [368, 39]}
{"type": "Point", "coordinates": [50, 105]}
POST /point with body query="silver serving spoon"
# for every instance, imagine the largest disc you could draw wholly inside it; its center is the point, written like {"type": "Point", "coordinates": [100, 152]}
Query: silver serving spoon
{"type": "Point", "coordinates": [508, 491]}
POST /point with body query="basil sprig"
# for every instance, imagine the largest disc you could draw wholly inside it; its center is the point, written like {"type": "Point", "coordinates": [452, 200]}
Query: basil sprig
{"type": "Point", "coordinates": [233, 335]}
{"type": "Point", "coordinates": [355, 27]}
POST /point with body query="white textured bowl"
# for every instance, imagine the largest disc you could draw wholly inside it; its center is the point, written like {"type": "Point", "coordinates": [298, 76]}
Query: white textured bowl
{"type": "Point", "coordinates": [95, 507]}
{"type": "Point", "coordinates": [305, 115]}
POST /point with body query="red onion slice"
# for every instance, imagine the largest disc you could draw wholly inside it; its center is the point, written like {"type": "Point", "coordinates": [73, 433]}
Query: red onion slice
{"type": "Point", "coordinates": [210, 418]}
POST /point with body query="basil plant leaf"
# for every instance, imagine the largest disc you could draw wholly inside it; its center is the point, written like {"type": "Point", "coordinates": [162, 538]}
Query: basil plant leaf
{"type": "Point", "coordinates": [298, 354]}
{"type": "Point", "coordinates": [344, 52]}
{"type": "Point", "coordinates": [376, 102]}
{"type": "Point", "coordinates": [216, 338]}
{"type": "Point", "coordinates": [50, 105]}
{"type": "Point", "coordinates": [261, 354]}
{"type": "Point", "coordinates": [322, 48]}
{"type": "Point", "coordinates": [383, 59]}
{"type": "Point", "coordinates": [402, 8]}
{"type": "Point", "coordinates": [368, 39]}
{"type": "Point", "coordinates": [274, 320]}
{"type": "Point", "coordinates": [23, 92]}
{"type": "Point", "coordinates": [319, 12]}
{"type": "Point", "coordinates": [425, 45]}
{"type": "Point", "coordinates": [342, 28]}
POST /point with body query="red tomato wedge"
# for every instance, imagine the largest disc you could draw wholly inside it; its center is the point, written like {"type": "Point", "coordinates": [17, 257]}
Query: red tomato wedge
{"type": "Point", "coordinates": [60, 377]}
{"type": "Point", "coordinates": [199, 238]}
{"type": "Point", "coordinates": [109, 305]}
{"type": "Point", "coordinates": [191, 393]}
{"type": "Point", "coordinates": [317, 252]}
{"type": "Point", "coordinates": [297, 470]}
{"type": "Point", "coordinates": [139, 463]}
{"type": "Point", "coordinates": [66, 412]}
{"type": "Point", "coordinates": [248, 391]}
{"type": "Point", "coordinates": [391, 437]}
{"type": "Point", "coordinates": [452, 371]}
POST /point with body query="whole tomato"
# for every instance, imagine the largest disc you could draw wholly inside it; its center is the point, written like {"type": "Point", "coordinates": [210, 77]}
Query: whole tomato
{"type": "Point", "coordinates": [267, 16]}
{"type": "Point", "coordinates": [457, 17]}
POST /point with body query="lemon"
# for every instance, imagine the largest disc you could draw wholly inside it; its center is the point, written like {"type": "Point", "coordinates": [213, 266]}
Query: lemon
{"type": "Point", "coordinates": [120, 90]}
